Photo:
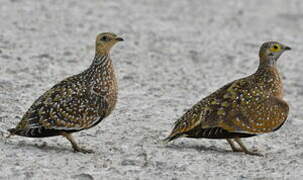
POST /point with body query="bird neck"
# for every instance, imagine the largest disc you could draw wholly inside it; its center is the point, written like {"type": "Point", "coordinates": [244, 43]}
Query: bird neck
{"type": "Point", "coordinates": [268, 66]}
{"type": "Point", "coordinates": [267, 62]}
{"type": "Point", "coordinates": [101, 61]}
{"type": "Point", "coordinates": [101, 64]}
{"type": "Point", "coordinates": [269, 75]}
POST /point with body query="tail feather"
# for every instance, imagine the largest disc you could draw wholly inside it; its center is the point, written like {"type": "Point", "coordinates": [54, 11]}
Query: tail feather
{"type": "Point", "coordinates": [37, 132]}
{"type": "Point", "coordinates": [12, 131]}
{"type": "Point", "coordinates": [171, 138]}
{"type": "Point", "coordinates": [15, 131]}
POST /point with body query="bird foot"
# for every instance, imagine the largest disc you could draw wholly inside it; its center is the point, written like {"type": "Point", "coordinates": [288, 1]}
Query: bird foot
{"type": "Point", "coordinates": [83, 150]}
{"type": "Point", "coordinates": [237, 150]}
{"type": "Point", "coordinates": [253, 152]}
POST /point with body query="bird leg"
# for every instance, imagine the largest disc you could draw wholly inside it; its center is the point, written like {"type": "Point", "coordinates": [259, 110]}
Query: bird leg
{"type": "Point", "coordinates": [76, 148]}
{"type": "Point", "coordinates": [244, 149]}
{"type": "Point", "coordinates": [233, 146]}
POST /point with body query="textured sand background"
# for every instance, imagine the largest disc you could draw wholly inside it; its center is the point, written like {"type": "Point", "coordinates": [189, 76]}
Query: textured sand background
{"type": "Point", "coordinates": [174, 53]}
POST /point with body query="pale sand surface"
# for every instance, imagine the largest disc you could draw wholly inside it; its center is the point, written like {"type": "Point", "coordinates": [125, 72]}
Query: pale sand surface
{"type": "Point", "coordinates": [174, 53]}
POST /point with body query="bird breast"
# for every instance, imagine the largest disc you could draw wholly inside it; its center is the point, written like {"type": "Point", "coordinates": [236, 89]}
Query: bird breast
{"type": "Point", "coordinates": [103, 90]}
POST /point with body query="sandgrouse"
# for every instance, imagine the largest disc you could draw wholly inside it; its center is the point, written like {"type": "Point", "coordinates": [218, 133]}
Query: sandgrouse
{"type": "Point", "coordinates": [78, 102]}
{"type": "Point", "coordinates": [243, 108]}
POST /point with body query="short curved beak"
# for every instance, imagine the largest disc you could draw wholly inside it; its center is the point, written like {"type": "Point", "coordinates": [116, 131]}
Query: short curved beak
{"type": "Point", "coordinates": [287, 48]}
{"type": "Point", "coordinates": [119, 39]}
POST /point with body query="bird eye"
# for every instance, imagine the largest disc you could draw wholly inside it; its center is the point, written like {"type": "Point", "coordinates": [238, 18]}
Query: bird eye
{"type": "Point", "coordinates": [104, 38]}
{"type": "Point", "coordinates": [275, 48]}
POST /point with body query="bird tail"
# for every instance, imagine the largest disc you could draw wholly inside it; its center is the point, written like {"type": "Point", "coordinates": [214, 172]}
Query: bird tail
{"type": "Point", "coordinates": [170, 138]}
{"type": "Point", "coordinates": [12, 132]}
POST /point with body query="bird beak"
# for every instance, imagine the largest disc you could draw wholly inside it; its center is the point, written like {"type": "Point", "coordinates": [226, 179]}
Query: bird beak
{"type": "Point", "coordinates": [119, 39]}
{"type": "Point", "coordinates": [286, 48]}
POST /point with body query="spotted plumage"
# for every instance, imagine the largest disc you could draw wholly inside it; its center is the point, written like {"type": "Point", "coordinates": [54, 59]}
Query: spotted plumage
{"type": "Point", "coordinates": [243, 108]}
{"type": "Point", "coordinates": [78, 102]}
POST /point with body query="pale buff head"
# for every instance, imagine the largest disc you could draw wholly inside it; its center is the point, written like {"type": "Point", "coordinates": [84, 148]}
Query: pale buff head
{"type": "Point", "coordinates": [272, 50]}
{"type": "Point", "coordinates": [105, 41]}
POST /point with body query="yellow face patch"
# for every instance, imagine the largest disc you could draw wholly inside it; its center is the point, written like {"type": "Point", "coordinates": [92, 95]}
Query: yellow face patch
{"type": "Point", "coordinates": [275, 48]}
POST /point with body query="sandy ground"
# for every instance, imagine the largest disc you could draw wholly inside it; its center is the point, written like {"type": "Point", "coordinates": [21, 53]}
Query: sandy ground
{"type": "Point", "coordinates": [175, 53]}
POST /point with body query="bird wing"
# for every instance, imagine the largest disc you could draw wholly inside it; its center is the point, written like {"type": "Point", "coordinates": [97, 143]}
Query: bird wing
{"type": "Point", "coordinates": [66, 106]}
{"type": "Point", "coordinates": [245, 107]}
{"type": "Point", "coordinates": [241, 106]}
{"type": "Point", "coordinates": [256, 117]}
{"type": "Point", "coordinates": [199, 114]}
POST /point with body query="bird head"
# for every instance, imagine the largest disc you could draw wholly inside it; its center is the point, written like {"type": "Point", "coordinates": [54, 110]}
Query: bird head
{"type": "Point", "coordinates": [271, 51]}
{"type": "Point", "coordinates": [105, 41]}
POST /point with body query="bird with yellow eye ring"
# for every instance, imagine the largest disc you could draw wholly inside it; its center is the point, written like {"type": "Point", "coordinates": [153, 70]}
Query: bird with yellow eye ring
{"type": "Point", "coordinates": [243, 108]}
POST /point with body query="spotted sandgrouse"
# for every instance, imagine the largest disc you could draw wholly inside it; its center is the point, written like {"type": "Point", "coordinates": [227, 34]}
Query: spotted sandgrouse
{"type": "Point", "coordinates": [243, 108]}
{"type": "Point", "coordinates": [79, 102]}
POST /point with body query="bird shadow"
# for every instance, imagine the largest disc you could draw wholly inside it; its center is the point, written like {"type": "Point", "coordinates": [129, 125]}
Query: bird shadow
{"type": "Point", "coordinates": [199, 148]}
{"type": "Point", "coordinates": [41, 146]}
